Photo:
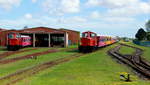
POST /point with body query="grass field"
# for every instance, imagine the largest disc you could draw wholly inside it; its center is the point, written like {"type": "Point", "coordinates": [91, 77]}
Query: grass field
{"type": "Point", "coordinates": [126, 50]}
{"type": "Point", "coordinates": [96, 68]}
{"type": "Point", "coordinates": [13, 67]}
{"type": "Point", "coordinates": [27, 52]}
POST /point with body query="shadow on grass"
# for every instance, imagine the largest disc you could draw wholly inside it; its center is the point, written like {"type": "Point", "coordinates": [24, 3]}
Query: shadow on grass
{"type": "Point", "coordinates": [3, 49]}
{"type": "Point", "coordinates": [74, 51]}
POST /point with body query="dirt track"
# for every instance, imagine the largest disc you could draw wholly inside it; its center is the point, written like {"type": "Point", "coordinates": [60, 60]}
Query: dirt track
{"type": "Point", "coordinates": [5, 54]}
{"type": "Point", "coordinates": [135, 61]}
{"type": "Point", "coordinates": [20, 75]}
{"type": "Point", "coordinates": [6, 61]}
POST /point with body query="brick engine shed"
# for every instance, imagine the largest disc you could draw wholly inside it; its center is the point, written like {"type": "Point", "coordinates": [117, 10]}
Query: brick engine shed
{"type": "Point", "coordinates": [44, 36]}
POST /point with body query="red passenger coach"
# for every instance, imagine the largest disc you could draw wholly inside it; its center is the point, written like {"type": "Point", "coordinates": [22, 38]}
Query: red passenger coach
{"type": "Point", "coordinates": [16, 41]}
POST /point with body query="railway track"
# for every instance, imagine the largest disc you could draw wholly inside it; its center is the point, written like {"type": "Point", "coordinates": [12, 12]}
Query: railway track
{"type": "Point", "coordinates": [135, 61]}
{"type": "Point", "coordinates": [20, 75]}
{"type": "Point", "coordinates": [5, 54]}
{"type": "Point", "coordinates": [11, 60]}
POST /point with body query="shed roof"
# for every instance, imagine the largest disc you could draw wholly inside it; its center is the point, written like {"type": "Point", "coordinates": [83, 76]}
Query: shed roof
{"type": "Point", "coordinates": [68, 30]}
{"type": "Point", "coordinates": [41, 30]}
{"type": "Point", "coordinates": [2, 29]}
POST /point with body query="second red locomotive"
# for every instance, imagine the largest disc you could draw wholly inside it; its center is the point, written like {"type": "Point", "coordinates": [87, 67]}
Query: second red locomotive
{"type": "Point", "coordinates": [16, 41]}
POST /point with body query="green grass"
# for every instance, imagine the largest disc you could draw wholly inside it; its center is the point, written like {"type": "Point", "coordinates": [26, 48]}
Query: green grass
{"type": "Point", "coordinates": [146, 53]}
{"type": "Point", "coordinates": [33, 51]}
{"type": "Point", "coordinates": [13, 67]}
{"type": "Point", "coordinates": [2, 50]}
{"type": "Point", "coordinates": [93, 69]}
{"type": "Point", "coordinates": [126, 50]}
{"type": "Point", "coordinates": [26, 53]}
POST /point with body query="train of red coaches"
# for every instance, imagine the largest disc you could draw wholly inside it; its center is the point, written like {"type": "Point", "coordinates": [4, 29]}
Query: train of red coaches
{"type": "Point", "coordinates": [89, 41]}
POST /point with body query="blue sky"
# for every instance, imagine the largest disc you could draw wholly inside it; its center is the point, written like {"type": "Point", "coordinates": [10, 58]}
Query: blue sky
{"type": "Point", "coordinates": [105, 17]}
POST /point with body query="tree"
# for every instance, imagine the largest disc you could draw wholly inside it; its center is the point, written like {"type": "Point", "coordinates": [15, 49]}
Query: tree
{"type": "Point", "coordinates": [147, 25]}
{"type": "Point", "coordinates": [141, 34]}
{"type": "Point", "coordinates": [148, 36]}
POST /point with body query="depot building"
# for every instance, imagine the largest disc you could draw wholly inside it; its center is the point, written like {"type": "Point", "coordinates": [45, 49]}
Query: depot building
{"type": "Point", "coordinates": [44, 36]}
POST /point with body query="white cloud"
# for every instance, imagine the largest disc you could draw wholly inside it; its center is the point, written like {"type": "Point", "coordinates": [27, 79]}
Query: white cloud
{"type": "Point", "coordinates": [28, 16]}
{"type": "Point", "coordinates": [111, 3]}
{"type": "Point", "coordinates": [145, 7]}
{"type": "Point", "coordinates": [76, 19]}
{"type": "Point", "coordinates": [59, 7]}
{"type": "Point", "coordinates": [70, 6]}
{"type": "Point", "coordinates": [94, 2]}
{"type": "Point", "coordinates": [8, 4]}
{"type": "Point", "coordinates": [119, 19]}
{"type": "Point", "coordinates": [122, 7]}
{"type": "Point", "coordinates": [107, 25]}
{"type": "Point", "coordinates": [95, 15]}
{"type": "Point", "coordinates": [34, 1]}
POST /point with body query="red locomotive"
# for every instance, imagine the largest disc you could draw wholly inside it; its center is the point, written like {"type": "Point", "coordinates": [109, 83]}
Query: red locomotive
{"type": "Point", "coordinates": [90, 41]}
{"type": "Point", "coordinates": [16, 41]}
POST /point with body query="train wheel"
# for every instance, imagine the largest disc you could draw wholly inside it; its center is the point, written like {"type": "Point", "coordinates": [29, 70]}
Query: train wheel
{"type": "Point", "coordinates": [8, 48]}
{"type": "Point", "coordinates": [80, 48]}
{"type": "Point", "coordinates": [91, 49]}
{"type": "Point", "coordinates": [17, 47]}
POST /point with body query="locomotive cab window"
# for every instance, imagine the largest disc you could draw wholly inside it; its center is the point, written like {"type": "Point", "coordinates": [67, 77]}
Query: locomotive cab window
{"type": "Point", "coordinates": [93, 35]}
{"type": "Point", "coordinates": [84, 35]}
{"type": "Point", "coordinates": [10, 36]}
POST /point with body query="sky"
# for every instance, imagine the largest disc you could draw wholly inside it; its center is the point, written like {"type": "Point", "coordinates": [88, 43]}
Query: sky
{"type": "Point", "coordinates": [105, 17]}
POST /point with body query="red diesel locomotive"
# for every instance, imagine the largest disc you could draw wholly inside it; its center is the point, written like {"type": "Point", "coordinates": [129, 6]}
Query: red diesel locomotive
{"type": "Point", "coordinates": [90, 41]}
{"type": "Point", "coordinates": [15, 41]}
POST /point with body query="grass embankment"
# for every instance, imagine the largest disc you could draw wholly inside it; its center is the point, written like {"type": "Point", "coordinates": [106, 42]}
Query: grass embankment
{"type": "Point", "coordinates": [16, 66]}
{"type": "Point", "coordinates": [2, 49]}
{"type": "Point", "coordinates": [146, 53]}
{"type": "Point", "coordinates": [26, 52]}
{"type": "Point", "coordinates": [96, 68]}
{"type": "Point", "coordinates": [126, 50]}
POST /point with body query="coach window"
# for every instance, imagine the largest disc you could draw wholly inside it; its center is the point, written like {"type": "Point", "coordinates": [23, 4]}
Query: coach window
{"type": "Point", "coordinates": [102, 39]}
{"type": "Point", "coordinates": [17, 36]}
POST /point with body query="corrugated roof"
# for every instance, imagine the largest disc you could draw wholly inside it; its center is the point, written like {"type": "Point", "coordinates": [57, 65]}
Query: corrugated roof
{"type": "Point", "coordinates": [41, 30]}
{"type": "Point", "coordinates": [68, 30]}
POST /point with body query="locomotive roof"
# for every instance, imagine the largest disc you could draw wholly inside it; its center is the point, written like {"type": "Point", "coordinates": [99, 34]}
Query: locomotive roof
{"type": "Point", "coordinates": [89, 32]}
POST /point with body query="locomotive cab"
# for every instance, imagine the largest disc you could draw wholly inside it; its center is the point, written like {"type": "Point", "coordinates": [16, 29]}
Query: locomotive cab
{"type": "Point", "coordinates": [89, 39]}
{"type": "Point", "coordinates": [13, 42]}
{"type": "Point", "coordinates": [88, 42]}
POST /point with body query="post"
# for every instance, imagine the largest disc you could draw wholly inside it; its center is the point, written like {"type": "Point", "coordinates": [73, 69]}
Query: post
{"type": "Point", "coordinates": [33, 39]}
{"type": "Point", "coordinates": [66, 39]}
{"type": "Point", "coordinates": [49, 40]}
